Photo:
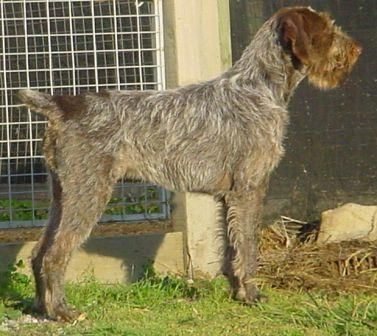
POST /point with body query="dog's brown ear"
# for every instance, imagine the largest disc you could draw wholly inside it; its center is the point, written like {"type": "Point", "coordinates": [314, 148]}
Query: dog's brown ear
{"type": "Point", "coordinates": [301, 31]}
{"type": "Point", "coordinates": [295, 36]}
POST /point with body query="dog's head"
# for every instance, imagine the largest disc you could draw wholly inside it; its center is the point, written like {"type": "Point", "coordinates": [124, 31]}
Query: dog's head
{"type": "Point", "coordinates": [317, 45]}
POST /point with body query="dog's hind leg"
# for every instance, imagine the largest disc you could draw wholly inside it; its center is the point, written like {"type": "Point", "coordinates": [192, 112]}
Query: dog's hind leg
{"type": "Point", "coordinates": [45, 242]}
{"type": "Point", "coordinates": [79, 197]}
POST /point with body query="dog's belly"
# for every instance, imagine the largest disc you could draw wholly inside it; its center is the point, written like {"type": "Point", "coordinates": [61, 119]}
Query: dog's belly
{"type": "Point", "coordinates": [187, 177]}
{"type": "Point", "coordinates": [194, 170]}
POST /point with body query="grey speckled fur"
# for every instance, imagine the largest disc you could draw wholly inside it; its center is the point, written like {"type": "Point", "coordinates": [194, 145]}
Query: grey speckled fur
{"type": "Point", "coordinates": [221, 137]}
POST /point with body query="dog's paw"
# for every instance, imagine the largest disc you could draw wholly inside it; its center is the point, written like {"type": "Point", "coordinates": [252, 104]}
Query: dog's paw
{"type": "Point", "coordinates": [59, 312]}
{"type": "Point", "coordinates": [249, 295]}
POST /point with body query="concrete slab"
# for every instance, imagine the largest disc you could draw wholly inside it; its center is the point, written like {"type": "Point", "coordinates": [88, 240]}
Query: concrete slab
{"type": "Point", "coordinates": [112, 259]}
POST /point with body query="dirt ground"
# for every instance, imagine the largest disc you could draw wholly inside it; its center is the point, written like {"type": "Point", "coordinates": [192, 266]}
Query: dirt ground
{"type": "Point", "coordinates": [100, 230]}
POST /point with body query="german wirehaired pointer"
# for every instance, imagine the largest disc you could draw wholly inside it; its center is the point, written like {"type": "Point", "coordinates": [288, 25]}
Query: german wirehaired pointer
{"type": "Point", "coordinates": [222, 137]}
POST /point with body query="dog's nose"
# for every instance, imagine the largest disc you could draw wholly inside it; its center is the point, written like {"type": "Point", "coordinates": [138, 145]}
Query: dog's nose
{"type": "Point", "coordinates": [358, 48]}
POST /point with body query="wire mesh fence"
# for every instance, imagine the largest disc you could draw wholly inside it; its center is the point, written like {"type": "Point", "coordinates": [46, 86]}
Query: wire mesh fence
{"type": "Point", "coordinates": [68, 47]}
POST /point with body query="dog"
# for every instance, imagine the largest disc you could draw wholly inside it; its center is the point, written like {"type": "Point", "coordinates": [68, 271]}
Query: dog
{"type": "Point", "coordinates": [222, 137]}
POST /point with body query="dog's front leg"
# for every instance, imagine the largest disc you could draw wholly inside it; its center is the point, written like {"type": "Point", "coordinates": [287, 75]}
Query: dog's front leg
{"type": "Point", "coordinates": [243, 210]}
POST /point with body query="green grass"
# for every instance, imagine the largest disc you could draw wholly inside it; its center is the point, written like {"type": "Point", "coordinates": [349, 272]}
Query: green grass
{"type": "Point", "coordinates": [170, 306]}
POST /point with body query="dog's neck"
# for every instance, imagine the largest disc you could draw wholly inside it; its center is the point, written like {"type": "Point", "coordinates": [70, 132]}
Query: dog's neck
{"type": "Point", "coordinates": [264, 66]}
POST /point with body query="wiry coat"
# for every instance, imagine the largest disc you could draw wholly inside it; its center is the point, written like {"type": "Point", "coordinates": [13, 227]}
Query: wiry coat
{"type": "Point", "coordinates": [222, 137]}
{"type": "Point", "coordinates": [236, 115]}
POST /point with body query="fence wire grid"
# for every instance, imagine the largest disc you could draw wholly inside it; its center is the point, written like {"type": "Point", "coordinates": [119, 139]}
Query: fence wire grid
{"type": "Point", "coordinates": [68, 47]}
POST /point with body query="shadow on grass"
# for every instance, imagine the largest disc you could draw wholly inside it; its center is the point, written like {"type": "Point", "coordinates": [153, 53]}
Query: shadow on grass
{"type": "Point", "coordinates": [174, 286]}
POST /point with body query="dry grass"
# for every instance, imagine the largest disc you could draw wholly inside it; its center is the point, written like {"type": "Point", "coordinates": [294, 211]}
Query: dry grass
{"type": "Point", "coordinates": [288, 262]}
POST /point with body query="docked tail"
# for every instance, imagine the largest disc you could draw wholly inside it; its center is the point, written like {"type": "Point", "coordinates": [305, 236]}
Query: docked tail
{"type": "Point", "coordinates": [39, 102]}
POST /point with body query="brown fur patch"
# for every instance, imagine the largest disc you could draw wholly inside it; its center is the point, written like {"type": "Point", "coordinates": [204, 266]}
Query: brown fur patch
{"type": "Point", "coordinates": [71, 106]}
{"type": "Point", "coordinates": [74, 106]}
